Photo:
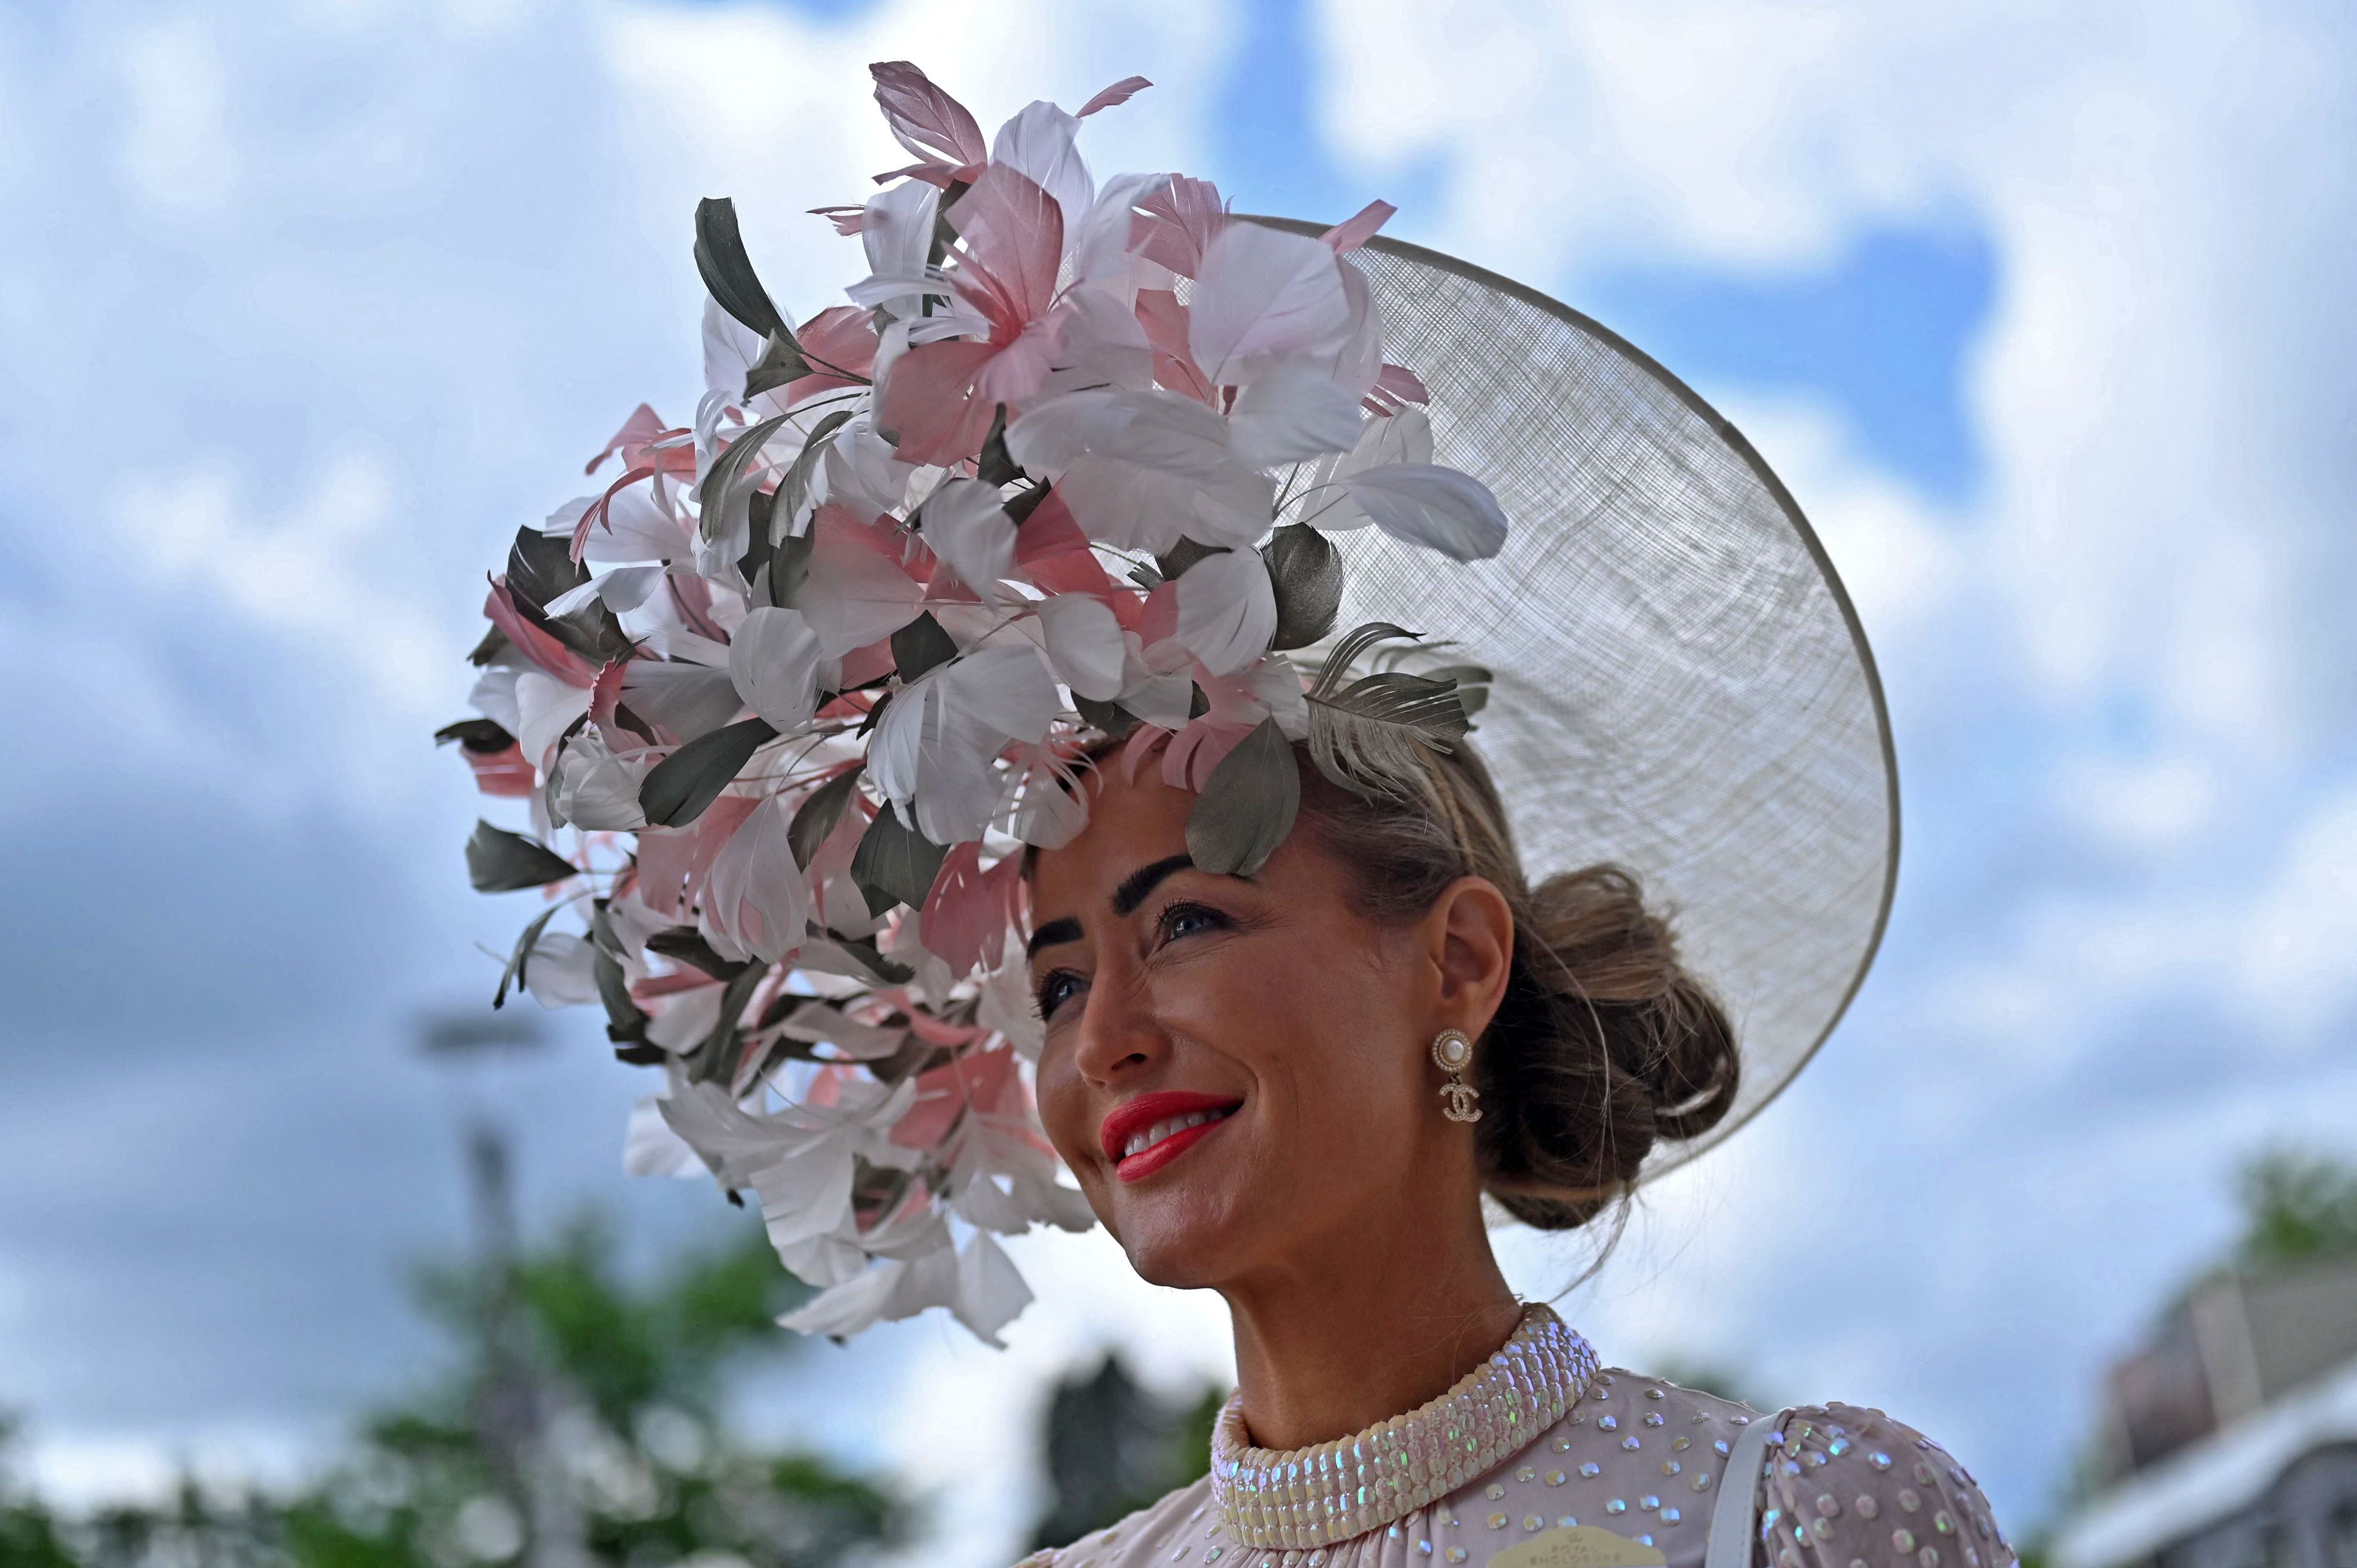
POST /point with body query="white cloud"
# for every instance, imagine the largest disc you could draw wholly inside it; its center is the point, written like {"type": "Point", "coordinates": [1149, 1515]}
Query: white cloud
{"type": "Point", "coordinates": [2293, 960]}
{"type": "Point", "coordinates": [175, 150]}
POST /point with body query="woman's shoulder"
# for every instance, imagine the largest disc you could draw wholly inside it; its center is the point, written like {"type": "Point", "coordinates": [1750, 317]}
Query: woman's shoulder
{"type": "Point", "coordinates": [1842, 1484]}
{"type": "Point", "coordinates": [1145, 1536]}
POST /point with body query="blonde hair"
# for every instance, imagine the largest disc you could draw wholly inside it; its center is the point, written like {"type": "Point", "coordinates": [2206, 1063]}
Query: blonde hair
{"type": "Point", "coordinates": [1604, 1044]}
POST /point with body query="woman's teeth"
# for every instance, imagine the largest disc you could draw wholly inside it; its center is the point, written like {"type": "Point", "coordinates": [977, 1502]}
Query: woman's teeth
{"type": "Point", "coordinates": [1170, 1126]}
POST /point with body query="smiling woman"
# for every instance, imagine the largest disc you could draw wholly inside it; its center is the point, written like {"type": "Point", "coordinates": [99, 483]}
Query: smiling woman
{"type": "Point", "coordinates": [948, 815]}
{"type": "Point", "coordinates": [1250, 1075]}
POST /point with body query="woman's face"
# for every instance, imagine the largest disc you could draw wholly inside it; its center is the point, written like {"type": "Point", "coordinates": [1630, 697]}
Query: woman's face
{"type": "Point", "coordinates": [1236, 1068]}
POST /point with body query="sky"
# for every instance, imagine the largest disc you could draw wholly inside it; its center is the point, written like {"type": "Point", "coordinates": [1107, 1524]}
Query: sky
{"type": "Point", "coordinates": [2038, 308]}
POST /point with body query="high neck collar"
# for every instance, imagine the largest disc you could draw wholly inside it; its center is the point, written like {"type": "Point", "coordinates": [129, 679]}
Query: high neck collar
{"type": "Point", "coordinates": [1314, 1496]}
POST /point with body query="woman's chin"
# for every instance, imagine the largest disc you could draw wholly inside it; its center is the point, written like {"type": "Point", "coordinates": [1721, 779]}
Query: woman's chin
{"type": "Point", "coordinates": [1175, 1263]}
{"type": "Point", "coordinates": [1181, 1246]}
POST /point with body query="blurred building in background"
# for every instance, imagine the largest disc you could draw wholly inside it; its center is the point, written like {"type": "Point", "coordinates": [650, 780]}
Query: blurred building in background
{"type": "Point", "coordinates": [2228, 1439]}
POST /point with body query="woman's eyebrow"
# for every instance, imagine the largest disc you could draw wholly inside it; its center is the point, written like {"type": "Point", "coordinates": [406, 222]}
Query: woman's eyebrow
{"type": "Point", "coordinates": [1064, 930]}
{"type": "Point", "coordinates": [1144, 880]}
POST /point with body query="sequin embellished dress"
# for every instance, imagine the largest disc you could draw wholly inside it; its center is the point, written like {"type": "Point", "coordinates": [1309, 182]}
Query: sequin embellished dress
{"type": "Point", "coordinates": [1540, 1460]}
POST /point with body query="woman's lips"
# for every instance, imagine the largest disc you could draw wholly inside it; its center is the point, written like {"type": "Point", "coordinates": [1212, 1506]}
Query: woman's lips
{"type": "Point", "coordinates": [1138, 1167]}
{"type": "Point", "coordinates": [1161, 1127]}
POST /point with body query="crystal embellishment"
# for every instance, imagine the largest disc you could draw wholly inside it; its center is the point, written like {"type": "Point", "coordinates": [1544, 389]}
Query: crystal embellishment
{"type": "Point", "coordinates": [1316, 1497]}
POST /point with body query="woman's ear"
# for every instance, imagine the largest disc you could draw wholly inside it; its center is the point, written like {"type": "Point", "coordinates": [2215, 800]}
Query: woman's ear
{"type": "Point", "coordinates": [1471, 931]}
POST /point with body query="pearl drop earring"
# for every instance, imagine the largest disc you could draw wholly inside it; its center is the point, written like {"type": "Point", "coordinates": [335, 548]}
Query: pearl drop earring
{"type": "Point", "coordinates": [1452, 1053]}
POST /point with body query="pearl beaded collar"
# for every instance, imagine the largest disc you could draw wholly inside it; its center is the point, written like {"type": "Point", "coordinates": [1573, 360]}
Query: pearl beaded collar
{"type": "Point", "coordinates": [1315, 1497]}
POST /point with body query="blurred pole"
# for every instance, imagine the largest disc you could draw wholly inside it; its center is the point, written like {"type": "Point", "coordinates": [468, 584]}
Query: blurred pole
{"type": "Point", "coordinates": [514, 1406]}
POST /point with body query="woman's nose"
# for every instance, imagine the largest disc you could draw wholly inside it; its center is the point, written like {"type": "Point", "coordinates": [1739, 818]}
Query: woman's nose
{"type": "Point", "coordinates": [1118, 1035]}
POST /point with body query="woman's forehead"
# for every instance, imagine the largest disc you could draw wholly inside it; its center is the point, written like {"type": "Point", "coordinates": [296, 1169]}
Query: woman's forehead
{"type": "Point", "coordinates": [1131, 823]}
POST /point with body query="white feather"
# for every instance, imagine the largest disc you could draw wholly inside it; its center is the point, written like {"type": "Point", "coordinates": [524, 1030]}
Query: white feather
{"type": "Point", "coordinates": [1227, 610]}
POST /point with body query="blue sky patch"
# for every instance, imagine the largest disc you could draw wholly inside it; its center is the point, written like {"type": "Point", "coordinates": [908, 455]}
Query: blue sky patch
{"type": "Point", "coordinates": [1881, 332]}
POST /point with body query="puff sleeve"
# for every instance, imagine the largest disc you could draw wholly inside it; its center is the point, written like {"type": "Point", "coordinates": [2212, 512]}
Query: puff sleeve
{"type": "Point", "coordinates": [1846, 1488]}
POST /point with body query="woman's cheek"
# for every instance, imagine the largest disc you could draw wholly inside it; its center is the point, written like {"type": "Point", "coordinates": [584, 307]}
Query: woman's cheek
{"type": "Point", "coordinates": [1060, 1105]}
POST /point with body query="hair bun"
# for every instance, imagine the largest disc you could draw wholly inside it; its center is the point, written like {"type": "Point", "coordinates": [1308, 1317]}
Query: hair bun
{"type": "Point", "coordinates": [1605, 1044]}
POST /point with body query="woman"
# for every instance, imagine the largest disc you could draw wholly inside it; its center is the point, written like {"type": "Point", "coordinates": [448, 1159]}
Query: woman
{"type": "Point", "coordinates": [934, 735]}
{"type": "Point", "coordinates": [1252, 1079]}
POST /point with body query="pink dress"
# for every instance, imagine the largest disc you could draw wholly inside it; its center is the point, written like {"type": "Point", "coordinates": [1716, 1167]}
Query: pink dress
{"type": "Point", "coordinates": [1540, 1460]}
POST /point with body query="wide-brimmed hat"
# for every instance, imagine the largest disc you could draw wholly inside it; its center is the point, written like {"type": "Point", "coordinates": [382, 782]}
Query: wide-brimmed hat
{"type": "Point", "coordinates": [1084, 472]}
{"type": "Point", "coordinates": [1678, 682]}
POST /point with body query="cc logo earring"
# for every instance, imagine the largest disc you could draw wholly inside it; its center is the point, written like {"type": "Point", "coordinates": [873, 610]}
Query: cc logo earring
{"type": "Point", "coordinates": [1452, 1053]}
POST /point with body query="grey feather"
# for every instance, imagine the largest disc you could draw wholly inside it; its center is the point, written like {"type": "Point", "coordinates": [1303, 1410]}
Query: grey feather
{"type": "Point", "coordinates": [1369, 737]}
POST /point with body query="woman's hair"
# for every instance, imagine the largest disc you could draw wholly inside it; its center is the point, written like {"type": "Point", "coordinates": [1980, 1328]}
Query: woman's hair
{"type": "Point", "coordinates": [1603, 1044]}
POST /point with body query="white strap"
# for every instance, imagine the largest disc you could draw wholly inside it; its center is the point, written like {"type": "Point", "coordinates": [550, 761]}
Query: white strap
{"type": "Point", "coordinates": [1732, 1517]}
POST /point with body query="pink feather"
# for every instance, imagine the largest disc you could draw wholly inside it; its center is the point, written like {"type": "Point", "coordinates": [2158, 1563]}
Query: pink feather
{"type": "Point", "coordinates": [1179, 221]}
{"type": "Point", "coordinates": [1121, 92]}
{"type": "Point", "coordinates": [552, 657]}
{"type": "Point", "coordinates": [1398, 385]}
{"type": "Point", "coordinates": [925, 120]}
{"type": "Point", "coordinates": [643, 425]}
{"type": "Point", "coordinates": [968, 910]}
{"type": "Point", "coordinates": [1354, 231]}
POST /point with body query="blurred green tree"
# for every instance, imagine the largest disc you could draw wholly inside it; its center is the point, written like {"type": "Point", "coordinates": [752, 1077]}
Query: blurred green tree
{"type": "Point", "coordinates": [2299, 1206]}
{"type": "Point", "coordinates": [29, 1534]}
{"type": "Point", "coordinates": [1113, 1446]}
{"type": "Point", "coordinates": [584, 1424]}
{"type": "Point", "coordinates": [581, 1425]}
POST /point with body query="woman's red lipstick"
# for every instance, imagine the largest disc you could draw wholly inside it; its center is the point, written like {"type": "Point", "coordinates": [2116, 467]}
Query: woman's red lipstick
{"type": "Point", "coordinates": [1140, 1114]}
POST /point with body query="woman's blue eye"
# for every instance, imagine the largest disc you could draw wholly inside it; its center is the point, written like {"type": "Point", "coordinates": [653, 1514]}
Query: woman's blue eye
{"type": "Point", "coordinates": [1189, 920]}
{"type": "Point", "coordinates": [1056, 990]}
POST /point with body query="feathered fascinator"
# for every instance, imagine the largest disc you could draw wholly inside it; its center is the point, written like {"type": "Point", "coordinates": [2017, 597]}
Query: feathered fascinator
{"type": "Point", "coordinates": [1078, 466]}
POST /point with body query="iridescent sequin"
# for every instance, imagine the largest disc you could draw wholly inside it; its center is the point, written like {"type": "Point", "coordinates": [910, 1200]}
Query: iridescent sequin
{"type": "Point", "coordinates": [1591, 1469]}
{"type": "Point", "coordinates": [1318, 1495]}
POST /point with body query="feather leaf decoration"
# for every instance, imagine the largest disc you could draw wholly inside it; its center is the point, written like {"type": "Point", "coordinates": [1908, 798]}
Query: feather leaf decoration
{"type": "Point", "coordinates": [807, 683]}
{"type": "Point", "coordinates": [1368, 736]}
{"type": "Point", "coordinates": [1247, 806]}
{"type": "Point", "coordinates": [729, 271]}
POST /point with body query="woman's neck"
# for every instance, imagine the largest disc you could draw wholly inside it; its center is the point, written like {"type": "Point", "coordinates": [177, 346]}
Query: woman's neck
{"type": "Point", "coordinates": [1356, 1329]}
